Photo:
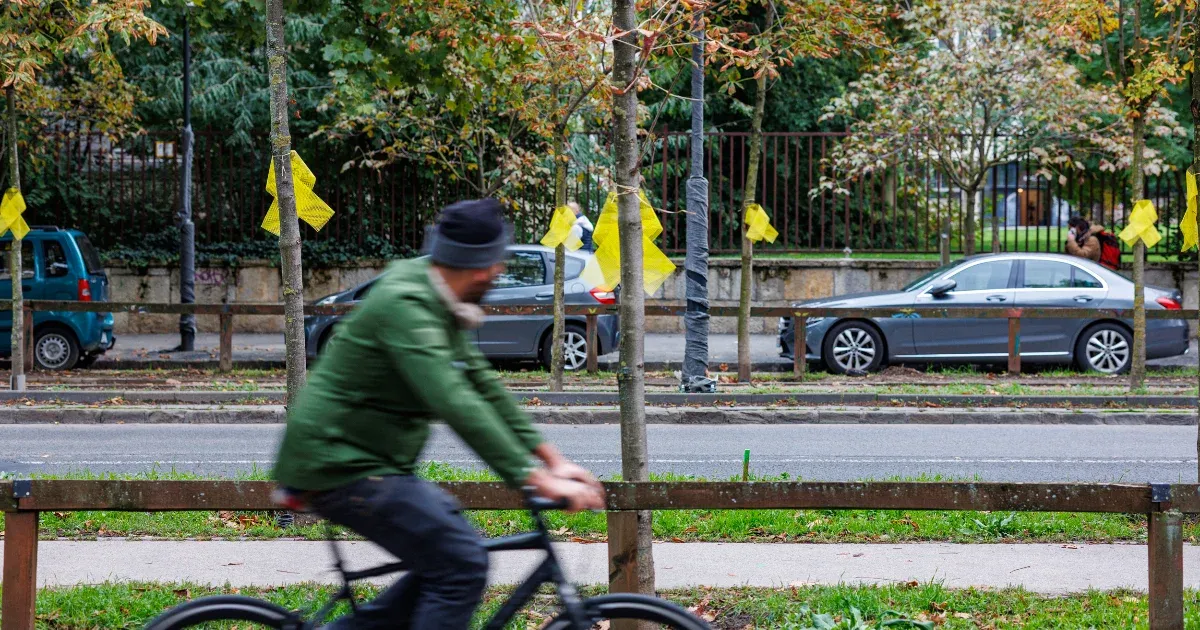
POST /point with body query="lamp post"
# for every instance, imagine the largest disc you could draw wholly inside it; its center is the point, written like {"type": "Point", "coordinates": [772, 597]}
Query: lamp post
{"type": "Point", "coordinates": [187, 229]}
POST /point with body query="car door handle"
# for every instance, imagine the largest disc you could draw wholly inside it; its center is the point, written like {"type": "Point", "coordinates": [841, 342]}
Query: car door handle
{"type": "Point", "coordinates": [1083, 298]}
{"type": "Point", "coordinates": [544, 296]}
{"type": "Point", "coordinates": [996, 298]}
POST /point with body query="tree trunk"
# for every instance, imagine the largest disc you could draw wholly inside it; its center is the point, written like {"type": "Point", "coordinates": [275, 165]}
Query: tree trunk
{"type": "Point", "coordinates": [17, 380]}
{"type": "Point", "coordinates": [996, 245]}
{"type": "Point", "coordinates": [560, 266]}
{"type": "Point", "coordinates": [631, 375]}
{"type": "Point", "coordinates": [1195, 106]}
{"type": "Point", "coordinates": [967, 198]}
{"type": "Point", "coordinates": [289, 226]}
{"type": "Point", "coordinates": [748, 197]}
{"type": "Point", "coordinates": [1137, 369]}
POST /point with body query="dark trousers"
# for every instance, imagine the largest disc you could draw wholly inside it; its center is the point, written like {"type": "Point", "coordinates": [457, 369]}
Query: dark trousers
{"type": "Point", "coordinates": [422, 525]}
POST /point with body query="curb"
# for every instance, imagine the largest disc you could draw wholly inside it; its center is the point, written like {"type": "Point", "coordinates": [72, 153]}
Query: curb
{"type": "Point", "coordinates": [274, 414]}
{"type": "Point", "coordinates": [572, 399]}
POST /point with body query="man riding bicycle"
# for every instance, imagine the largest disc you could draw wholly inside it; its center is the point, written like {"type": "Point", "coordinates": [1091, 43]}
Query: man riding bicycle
{"type": "Point", "coordinates": [402, 359]}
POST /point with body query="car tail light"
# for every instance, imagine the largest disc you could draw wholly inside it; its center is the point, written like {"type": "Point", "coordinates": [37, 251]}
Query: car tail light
{"type": "Point", "coordinates": [603, 296]}
{"type": "Point", "coordinates": [85, 291]}
{"type": "Point", "coordinates": [1169, 303]}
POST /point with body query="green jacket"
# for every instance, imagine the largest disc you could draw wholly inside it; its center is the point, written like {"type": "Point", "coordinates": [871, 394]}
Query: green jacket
{"type": "Point", "coordinates": [398, 362]}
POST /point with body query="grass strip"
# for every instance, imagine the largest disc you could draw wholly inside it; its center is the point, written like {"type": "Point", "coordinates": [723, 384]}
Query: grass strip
{"type": "Point", "coordinates": [801, 526]}
{"type": "Point", "coordinates": [131, 605]}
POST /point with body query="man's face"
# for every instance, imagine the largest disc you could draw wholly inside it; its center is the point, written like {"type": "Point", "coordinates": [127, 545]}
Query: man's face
{"type": "Point", "coordinates": [481, 281]}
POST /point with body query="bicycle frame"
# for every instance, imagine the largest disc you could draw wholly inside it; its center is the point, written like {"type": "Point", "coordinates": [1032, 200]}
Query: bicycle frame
{"type": "Point", "coordinates": [549, 571]}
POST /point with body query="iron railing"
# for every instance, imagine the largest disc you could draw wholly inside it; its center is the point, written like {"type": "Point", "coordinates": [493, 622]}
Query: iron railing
{"type": "Point", "coordinates": [118, 191]}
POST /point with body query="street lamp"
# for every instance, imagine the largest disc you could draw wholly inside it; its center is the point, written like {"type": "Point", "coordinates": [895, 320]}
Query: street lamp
{"type": "Point", "coordinates": [187, 229]}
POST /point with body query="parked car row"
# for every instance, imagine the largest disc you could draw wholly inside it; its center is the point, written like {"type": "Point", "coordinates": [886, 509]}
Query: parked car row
{"type": "Point", "coordinates": [529, 279]}
{"type": "Point", "coordinates": [858, 345]}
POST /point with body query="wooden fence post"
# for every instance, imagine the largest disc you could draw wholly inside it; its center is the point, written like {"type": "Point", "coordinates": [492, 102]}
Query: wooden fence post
{"type": "Point", "coordinates": [799, 346]}
{"type": "Point", "coordinates": [1014, 345]}
{"type": "Point", "coordinates": [20, 571]}
{"type": "Point", "coordinates": [1166, 570]}
{"type": "Point", "coordinates": [226, 361]}
{"type": "Point", "coordinates": [593, 358]}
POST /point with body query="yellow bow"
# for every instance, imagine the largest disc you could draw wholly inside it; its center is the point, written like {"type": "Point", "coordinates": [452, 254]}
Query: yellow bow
{"type": "Point", "coordinates": [10, 214]}
{"type": "Point", "coordinates": [759, 224]}
{"type": "Point", "coordinates": [1141, 225]}
{"type": "Point", "coordinates": [1191, 235]}
{"type": "Point", "coordinates": [309, 206]}
{"type": "Point", "coordinates": [604, 269]}
{"type": "Point", "coordinates": [560, 230]}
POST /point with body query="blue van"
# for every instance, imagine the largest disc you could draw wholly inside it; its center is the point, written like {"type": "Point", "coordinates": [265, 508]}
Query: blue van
{"type": "Point", "coordinates": [58, 264]}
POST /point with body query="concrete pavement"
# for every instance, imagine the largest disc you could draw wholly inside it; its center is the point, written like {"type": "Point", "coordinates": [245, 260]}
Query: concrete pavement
{"type": "Point", "coordinates": [1049, 569]}
{"type": "Point", "coordinates": [662, 350]}
{"type": "Point", "coordinates": [249, 347]}
{"type": "Point", "coordinates": [1133, 454]}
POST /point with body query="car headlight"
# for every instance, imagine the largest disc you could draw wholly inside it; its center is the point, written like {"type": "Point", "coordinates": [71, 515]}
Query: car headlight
{"type": "Point", "coordinates": [813, 321]}
{"type": "Point", "coordinates": [328, 299]}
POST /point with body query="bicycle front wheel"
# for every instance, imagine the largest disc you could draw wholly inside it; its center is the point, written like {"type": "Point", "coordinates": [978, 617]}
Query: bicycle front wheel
{"type": "Point", "coordinates": [633, 607]}
{"type": "Point", "coordinates": [220, 610]}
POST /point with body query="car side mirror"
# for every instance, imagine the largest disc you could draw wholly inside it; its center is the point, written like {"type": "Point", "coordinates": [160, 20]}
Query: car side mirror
{"type": "Point", "coordinates": [942, 287]}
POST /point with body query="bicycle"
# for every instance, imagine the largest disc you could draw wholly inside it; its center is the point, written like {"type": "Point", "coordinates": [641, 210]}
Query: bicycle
{"type": "Point", "coordinates": [577, 613]}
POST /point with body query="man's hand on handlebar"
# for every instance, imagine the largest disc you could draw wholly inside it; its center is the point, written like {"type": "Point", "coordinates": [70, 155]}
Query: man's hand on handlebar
{"type": "Point", "coordinates": [565, 469]}
{"type": "Point", "coordinates": [578, 495]}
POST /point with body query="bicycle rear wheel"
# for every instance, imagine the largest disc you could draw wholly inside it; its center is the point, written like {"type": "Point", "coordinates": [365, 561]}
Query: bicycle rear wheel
{"type": "Point", "coordinates": [631, 606]}
{"type": "Point", "coordinates": [220, 611]}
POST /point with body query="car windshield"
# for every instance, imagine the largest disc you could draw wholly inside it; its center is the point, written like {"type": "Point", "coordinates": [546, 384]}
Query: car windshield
{"type": "Point", "coordinates": [927, 278]}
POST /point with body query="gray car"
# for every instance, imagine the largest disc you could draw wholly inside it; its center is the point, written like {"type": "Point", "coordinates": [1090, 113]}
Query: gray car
{"type": "Point", "coordinates": [529, 279]}
{"type": "Point", "coordinates": [853, 345]}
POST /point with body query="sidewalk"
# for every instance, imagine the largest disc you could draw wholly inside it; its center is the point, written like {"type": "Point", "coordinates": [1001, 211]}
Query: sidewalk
{"type": "Point", "coordinates": [1049, 569]}
{"type": "Point", "coordinates": [663, 351]}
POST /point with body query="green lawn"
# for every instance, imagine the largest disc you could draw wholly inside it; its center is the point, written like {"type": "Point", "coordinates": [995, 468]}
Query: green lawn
{"type": "Point", "coordinates": [888, 607]}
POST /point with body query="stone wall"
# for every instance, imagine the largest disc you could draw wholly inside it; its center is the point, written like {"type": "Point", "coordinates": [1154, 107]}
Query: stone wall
{"type": "Point", "coordinates": [777, 283]}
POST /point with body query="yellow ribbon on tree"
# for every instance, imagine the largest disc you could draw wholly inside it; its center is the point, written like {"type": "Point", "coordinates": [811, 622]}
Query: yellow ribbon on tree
{"type": "Point", "coordinates": [1141, 225]}
{"type": "Point", "coordinates": [758, 224]}
{"type": "Point", "coordinates": [560, 230]}
{"type": "Point", "coordinates": [10, 214]}
{"type": "Point", "coordinates": [309, 206]}
{"type": "Point", "coordinates": [604, 269]}
{"type": "Point", "coordinates": [1191, 233]}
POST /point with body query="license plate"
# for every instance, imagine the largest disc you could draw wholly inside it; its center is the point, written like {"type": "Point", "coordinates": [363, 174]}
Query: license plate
{"type": "Point", "coordinates": [103, 338]}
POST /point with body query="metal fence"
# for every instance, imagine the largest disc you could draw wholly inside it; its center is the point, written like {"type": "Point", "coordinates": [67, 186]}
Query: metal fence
{"type": "Point", "coordinates": [118, 190]}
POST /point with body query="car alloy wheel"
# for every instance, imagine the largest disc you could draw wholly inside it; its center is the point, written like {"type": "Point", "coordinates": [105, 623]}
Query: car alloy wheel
{"type": "Point", "coordinates": [854, 350]}
{"type": "Point", "coordinates": [53, 351]}
{"type": "Point", "coordinates": [1107, 351]}
{"type": "Point", "coordinates": [574, 350]}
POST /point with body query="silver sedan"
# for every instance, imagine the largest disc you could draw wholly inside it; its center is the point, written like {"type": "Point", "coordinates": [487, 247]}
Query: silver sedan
{"type": "Point", "coordinates": [853, 345]}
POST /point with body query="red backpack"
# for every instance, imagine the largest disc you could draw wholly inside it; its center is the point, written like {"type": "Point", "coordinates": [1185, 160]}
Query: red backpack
{"type": "Point", "coordinates": [1110, 250]}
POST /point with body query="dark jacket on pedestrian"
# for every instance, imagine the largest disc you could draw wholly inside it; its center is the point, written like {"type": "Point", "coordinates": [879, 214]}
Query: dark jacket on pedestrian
{"type": "Point", "coordinates": [401, 360]}
{"type": "Point", "coordinates": [1086, 245]}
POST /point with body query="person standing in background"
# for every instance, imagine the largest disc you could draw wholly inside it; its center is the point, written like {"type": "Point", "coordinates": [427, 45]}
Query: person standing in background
{"type": "Point", "coordinates": [583, 227]}
{"type": "Point", "coordinates": [1083, 239]}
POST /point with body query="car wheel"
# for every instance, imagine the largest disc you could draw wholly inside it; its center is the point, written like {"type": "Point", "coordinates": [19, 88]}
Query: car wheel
{"type": "Point", "coordinates": [575, 349]}
{"type": "Point", "coordinates": [1105, 348]}
{"type": "Point", "coordinates": [852, 348]}
{"type": "Point", "coordinates": [55, 349]}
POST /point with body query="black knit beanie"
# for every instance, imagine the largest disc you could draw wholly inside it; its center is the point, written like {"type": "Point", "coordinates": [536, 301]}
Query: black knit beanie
{"type": "Point", "coordinates": [469, 234]}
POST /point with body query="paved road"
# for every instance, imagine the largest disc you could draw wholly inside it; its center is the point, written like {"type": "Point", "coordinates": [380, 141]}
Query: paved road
{"type": "Point", "coordinates": [1052, 569]}
{"type": "Point", "coordinates": [825, 452]}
